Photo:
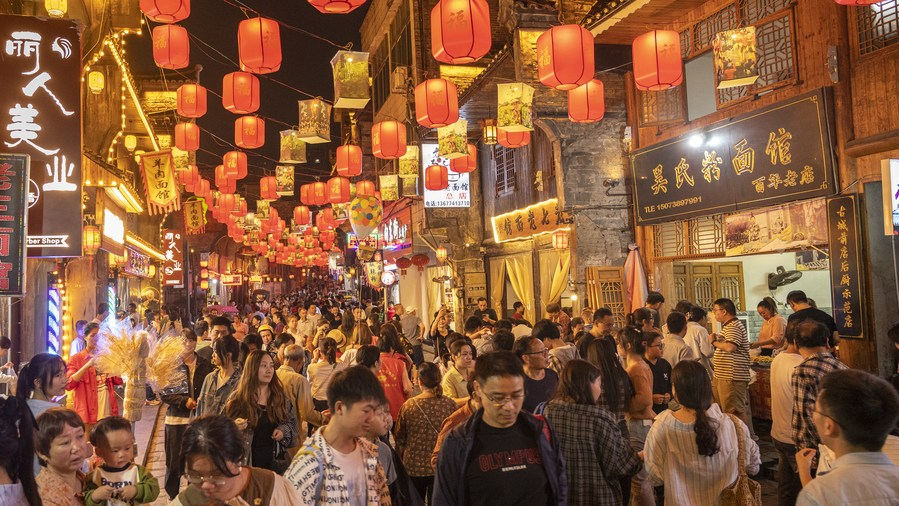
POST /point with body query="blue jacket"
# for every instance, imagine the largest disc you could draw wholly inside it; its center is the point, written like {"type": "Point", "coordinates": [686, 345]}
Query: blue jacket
{"type": "Point", "coordinates": [449, 483]}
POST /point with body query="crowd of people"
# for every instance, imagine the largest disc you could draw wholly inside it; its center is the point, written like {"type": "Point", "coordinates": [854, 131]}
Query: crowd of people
{"type": "Point", "coordinates": [313, 401]}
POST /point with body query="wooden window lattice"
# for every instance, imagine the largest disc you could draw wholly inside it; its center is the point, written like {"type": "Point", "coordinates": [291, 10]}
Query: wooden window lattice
{"type": "Point", "coordinates": [661, 107]}
{"type": "Point", "coordinates": [504, 161]}
{"type": "Point", "coordinates": [705, 29]}
{"type": "Point", "coordinates": [703, 283]}
{"type": "Point", "coordinates": [707, 235]}
{"type": "Point", "coordinates": [877, 25]}
{"type": "Point", "coordinates": [703, 236]}
{"type": "Point", "coordinates": [605, 288]}
{"type": "Point", "coordinates": [753, 11]}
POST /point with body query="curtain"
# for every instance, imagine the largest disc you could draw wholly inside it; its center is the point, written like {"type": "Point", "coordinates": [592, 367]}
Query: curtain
{"type": "Point", "coordinates": [497, 284]}
{"type": "Point", "coordinates": [560, 278]}
{"type": "Point", "coordinates": [549, 261]}
{"type": "Point", "coordinates": [521, 274]}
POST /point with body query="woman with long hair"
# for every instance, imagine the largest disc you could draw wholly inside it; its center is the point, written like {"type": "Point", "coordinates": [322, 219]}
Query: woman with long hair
{"type": "Point", "coordinates": [218, 385]}
{"type": "Point", "coordinates": [324, 366]}
{"type": "Point", "coordinates": [693, 450]}
{"type": "Point", "coordinates": [597, 454]}
{"type": "Point", "coordinates": [343, 334]}
{"type": "Point", "coordinates": [62, 447]}
{"type": "Point", "coordinates": [617, 390]}
{"type": "Point", "coordinates": [17, 485]}
{"type": "Point", "coordinates": [393, 374]}
{"type": "Point", "coordinates": [42, 380]}
{"type": "Point", "coordinates": [213, 458]}
{"type": "Point", "coordinates": [771, 335]}
{"type": "Point", "coordinates": [440, 331]}
{"type": "Point", "coordinates": [419, 424]}
{"type": "Point", "coordinates": [94, 394]}
{"type": "Point", "coordinates": [262, 410]}
{"type": "Point", "coordinates": [632, 343]}
{"type": "Point", "coordinates": [362, 336]}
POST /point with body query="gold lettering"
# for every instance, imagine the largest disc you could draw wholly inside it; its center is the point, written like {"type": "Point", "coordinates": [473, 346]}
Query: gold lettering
{"type": "Point", "coordinates": [680, 174]}
{"type": "Point", "coordinates": [779, 147]}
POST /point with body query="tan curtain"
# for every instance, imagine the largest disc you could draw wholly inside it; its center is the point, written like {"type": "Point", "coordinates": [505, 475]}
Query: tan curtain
{"type": "Point", "coordinates": [521, 274]}
{"type": "Point", "coordinates": [560, 278]}
{"type": "Point", "coordinates": [497, 283]}
{"type": "Point", "coordinates": [554, 267]}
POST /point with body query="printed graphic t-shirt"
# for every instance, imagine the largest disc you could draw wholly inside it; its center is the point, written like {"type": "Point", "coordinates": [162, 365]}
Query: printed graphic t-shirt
{"type": "Point", "coordinates": [505, 467]}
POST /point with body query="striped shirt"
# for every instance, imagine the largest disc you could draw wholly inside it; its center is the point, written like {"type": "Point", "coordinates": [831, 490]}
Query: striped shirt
{"type": "Point", "coordinates": [733, 366]}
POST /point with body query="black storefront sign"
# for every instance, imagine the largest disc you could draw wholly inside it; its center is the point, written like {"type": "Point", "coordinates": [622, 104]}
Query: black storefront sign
{"type": "Point", "coordinates": [846, 281]}
{"type": "Point", "coordinates": [13, 223]}
{"type": "Point", "coordinates": [40, 113]}
{"type": "Point", "coordinates": [777, 154]}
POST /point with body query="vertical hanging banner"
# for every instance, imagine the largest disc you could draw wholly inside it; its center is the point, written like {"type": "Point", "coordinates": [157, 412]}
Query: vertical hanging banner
{"type": "Point", "coordinates": [41, 113]}
{"type": "Point", "coordinates": [284, 180]}
{"type": "Point", "coordinates": [13, 223]}
{"type": "Point", "coordinates": [846, 280]}
{"type": "Point", "coordinates": [194, 216]}
{"type": "Point", "coordinates": [173, 267]}
{"type": "Point", "coordinates": [158, 169]}
{"type": "Point", "coordinates": [389, 188]}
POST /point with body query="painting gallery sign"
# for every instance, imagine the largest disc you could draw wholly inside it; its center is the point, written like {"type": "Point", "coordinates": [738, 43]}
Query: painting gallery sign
{"type": "Point", "coordinates": [543, 218]}
{"type": "Point", "coordinates": [776, 154]}
{"type": "Point", "coordinates": [173, 266]}
{"type": "Point", "coordinates": [41, 112]}
{"type": "Point", "coordinates": [846, 265]}
{"type": "Point", "coordinates": [13, 223]}
{"type": "Point", "coordinates": [163, 195]}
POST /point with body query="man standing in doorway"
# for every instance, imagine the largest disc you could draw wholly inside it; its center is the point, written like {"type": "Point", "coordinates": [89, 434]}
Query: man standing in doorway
{"type": "Point", "coordinates": [484, 313]}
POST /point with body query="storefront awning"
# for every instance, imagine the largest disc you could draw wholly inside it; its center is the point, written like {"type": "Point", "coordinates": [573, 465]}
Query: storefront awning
{"type": "Point", "coordinates": [144, 247]}
{"type": "Point", "coordinates": [101, 175]}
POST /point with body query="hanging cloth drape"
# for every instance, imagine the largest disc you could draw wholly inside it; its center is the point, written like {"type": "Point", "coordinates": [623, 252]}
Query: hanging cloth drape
{"type": "Point", "coordinates": [635, 279]}
{"type": "Point", "coordinates": [497, 283]}
{"type": "Point", "coordinates": [521, 274]}
{"type": "Point", "coordinates": [560, 278]}
{"type": "Point", "coordinates": [549, 261]}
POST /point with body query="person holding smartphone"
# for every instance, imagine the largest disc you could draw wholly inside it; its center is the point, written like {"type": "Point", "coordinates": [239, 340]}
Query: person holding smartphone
{"type": "Point", "coordinates": [484, 313]}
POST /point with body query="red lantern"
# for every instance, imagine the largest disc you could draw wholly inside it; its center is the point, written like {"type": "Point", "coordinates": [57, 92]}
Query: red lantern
{"type": "Point", "coordinates": [336, 6]}
{"type": "Point", "coordinates": [586, 103]}
{"type": "Point", "coordinates": [460, 31]}
{"type": "Point", "coordinates": [259, 45]}
{"type": "Point", "coordinates": [319, 193]}
{"type": "Point", "coordinates": [166, 11]}
{"type": "Point", "coordinates": [436, 178]}
{"type": "Point", "coordinates": [189, 176]}
{"type": "Point", "coordinates": [388, 139]}
{"type": "Point", "coordinates": [268, 188]}
{"type": "Point", "coordinates": [512, 139]}
{"type": "Point", "coordinates": [365, 189]}
{"type": "Point", "coordinates": [223, 180]}
{"type": "Point", "coordinates": [349, 160]}
{"type": "Point", "coordinates": [324, 220]}
{"type": "Point", "coordinates": [421, 260]}
{"type": "Point", "coordinates": [171, 47]}
{"type": "Point", "coordinates": [403, 263]}
{"type": "Point", "coordinates": [240, 92]}
{"type": "Point", "coordinates": [203, 188]}
{"type": "Point", "coordinates": [857, 3]}
{"type": "Point", "coordinates": [249, 132]}
{"type": "Point", "coordinates": [191, 100]}
{"type": "Point", "coordinates": [465, 164]}
{"type": "Point", "coordinates": [657, 60]}
{"type": "Point", "coordinates": [304, 195]}
{"type": "Point", "coordinates": [187, 136]}
{"type": "Point", "coordinates": [235, 163]}
{"type": "Point", "coordinates": [338, 190]}
{"type": "Point", "coordinates": [436, 103]}
{"type": "Point", "coordinates": [565, 57]}
{"type": "Point", "coordinates": [302, 215]}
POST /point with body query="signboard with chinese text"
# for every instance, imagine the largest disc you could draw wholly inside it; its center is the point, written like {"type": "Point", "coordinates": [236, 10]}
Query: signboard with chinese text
{"type": "Point", "coordinates": [543, 218]}
{"type": "Point", "coordinates": [232, 279]}
{"type": "Point", "coordinates": [173, 267]}
{"type": "Point", "coordinates": [457, 192]}
{"type": "Point", "coordinates": [777, 154]}
{"type": "Point", "coordinates": [371, 242]}
{"type": "Point", "coordinates": [113, 228]}
{"type": "Point", "coordinates": [137, 264]}
{"type": "Point", "coordinates": [396, 230]}
{"type": "Point", "coordinates": [194, 216]}
{"type": "Point", "coordinates": [158, 169]}
{"type": "Point", "coordinates": [41, 112]}
{"type": "Point", "coordinates": [846, 257]}
{"type": "Point", "coordinates": [13, 223]}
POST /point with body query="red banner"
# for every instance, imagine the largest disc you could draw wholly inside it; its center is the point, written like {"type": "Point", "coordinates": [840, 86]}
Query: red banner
{"type": "Point", "coordinates": [173, 267]}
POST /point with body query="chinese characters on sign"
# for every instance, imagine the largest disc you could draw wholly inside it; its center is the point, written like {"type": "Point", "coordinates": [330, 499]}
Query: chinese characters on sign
{"type": "Point", "coordinates": [543, 218]}
{"type": "Point", "coordinates": [774, 155]}
{"type": "Point", "coordinates": [159, 178]}
{"type": "Point", "coordinates": [173, 267]}
{"type": "Point", "coordinates": [137, 264]}
{"type": "Point", "coordinates": [232, 279]}
{"type": "Point", "coordinates": [396, 230]}
{"type": "Point", "coordinates": [457, 192]}
{"type": "Point", "coordinates": [41, 86]}
{"type": "Point", "coordinates": [13, 220]}
{"type": "Point", "coordinates": [845, 265]}
{"type": "Point", "coordinates": [194, 216]}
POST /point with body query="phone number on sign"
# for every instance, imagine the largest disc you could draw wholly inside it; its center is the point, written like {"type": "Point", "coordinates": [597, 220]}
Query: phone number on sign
{"type": "Point", "coordinates": [447, 203]}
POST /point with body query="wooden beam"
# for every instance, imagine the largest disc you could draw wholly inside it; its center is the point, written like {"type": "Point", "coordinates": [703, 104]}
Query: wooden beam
{"type": "Point", "coordinates": [873, 144]}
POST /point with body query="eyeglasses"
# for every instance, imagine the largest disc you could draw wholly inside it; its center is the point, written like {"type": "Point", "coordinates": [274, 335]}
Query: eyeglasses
{"type": "Point", "coordinates": [216, 481]}
{"type": "Point", "coordinates": [543, 352]}
{"type": "Point", "coordinates": [499, 402]}
{"type": "Point", "coordinates": [660, 346]}
{"type": "Point", "coordinates": [827, 416]}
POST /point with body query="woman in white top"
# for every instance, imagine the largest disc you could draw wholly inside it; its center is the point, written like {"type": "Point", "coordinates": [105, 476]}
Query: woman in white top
{"type": "Point", "coordinates": [324, 366]}
{"type": "Point", "coordinates": [693, 451]}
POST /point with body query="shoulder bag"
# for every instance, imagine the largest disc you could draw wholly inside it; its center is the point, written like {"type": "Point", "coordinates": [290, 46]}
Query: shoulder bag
{"type": "Point", "coordinates": [744, 491]}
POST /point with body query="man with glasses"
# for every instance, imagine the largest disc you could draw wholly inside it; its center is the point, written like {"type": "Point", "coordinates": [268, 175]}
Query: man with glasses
{"type": "Point", "coordinates": [501, 455]}
{"type": "Point", "coordinates": [731, 384]}
{"type": "Point", "coordinates": [539, 382]}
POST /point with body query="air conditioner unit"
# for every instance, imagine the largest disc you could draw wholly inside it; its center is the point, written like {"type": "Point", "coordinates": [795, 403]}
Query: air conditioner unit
{"type": "Point", "coordinates": [399, 80]}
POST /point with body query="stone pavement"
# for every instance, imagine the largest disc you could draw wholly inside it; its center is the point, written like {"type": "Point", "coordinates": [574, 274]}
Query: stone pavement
{"type": "Point", "coordinates": [149, 433]}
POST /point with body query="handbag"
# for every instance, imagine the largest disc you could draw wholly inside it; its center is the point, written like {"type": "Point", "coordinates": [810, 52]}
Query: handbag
{"type": "Point", "coordinates": [744, 491]}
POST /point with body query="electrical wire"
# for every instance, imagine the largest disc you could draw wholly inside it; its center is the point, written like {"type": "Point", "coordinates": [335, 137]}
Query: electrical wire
{"type": "Point", "coordinates": [245, 8]}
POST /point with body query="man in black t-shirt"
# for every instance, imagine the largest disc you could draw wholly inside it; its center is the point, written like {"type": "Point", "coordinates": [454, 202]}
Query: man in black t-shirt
{"type": "Point", "coordinates": [540, 381]}
{"type": "Point", "coordinates": [803, 310]}
{"type": "Point", "coordinates": [501, 455]}
{"type": "Point", "coordinates": [484, 313]}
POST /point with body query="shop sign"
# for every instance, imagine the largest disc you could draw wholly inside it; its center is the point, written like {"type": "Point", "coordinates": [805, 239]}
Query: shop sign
{"type": "Point", "coordinates": [396, 231]}
{"type": "Point", "coordinates": [370, 242]}
{"type": "Point", "coordinates": [256, 278]}
{"type": "Point", "coordinates": [284, 177]}
{"type": "Point", "coordinates": [543, 218]}
{"type": "Point", "coordinates": [136, 263]}
{"type": "Point", "coordinates": [846, 282]}
{"type": "Point", "coordinates": [777, 154]}
{"type": "Point", "coordinates": [194, 216]}
{"type": "Point", "coordinates": [457, 192]}
{"type": "Point", "coordinates": [173, 267]}
{"type": "Point", "coordinates": [159, 179]}
{"type": "Point", "coordinates": [232, 279]}
{"type": "Point", "coordinates": [113, 239]}
{"type": "Point", "coordinates": [13, 203]}
{"type": "Point", "coordinates": [778, 228]}
{"type": "Point", "coordinates": [41, 114]}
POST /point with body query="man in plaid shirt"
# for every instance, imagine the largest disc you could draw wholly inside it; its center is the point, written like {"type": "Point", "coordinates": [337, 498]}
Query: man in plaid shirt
{"type": "Point", "coordinates": [811, 338]}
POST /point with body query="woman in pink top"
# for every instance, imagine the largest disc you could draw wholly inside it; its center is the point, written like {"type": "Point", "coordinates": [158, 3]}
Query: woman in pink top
{"type": "Point", "coordinates": [393, 375]}
{"type": "Point", "coordinates": [771, 336]}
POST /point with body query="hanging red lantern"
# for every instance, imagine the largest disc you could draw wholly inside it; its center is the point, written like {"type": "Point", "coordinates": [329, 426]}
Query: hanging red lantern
{"type": "Point", "coordinates": [436, 103]}
{"type": "Point", "coordinates": [235, 163]}
{"type": "Point", "coordinates": [388, 139]}
{"type": "Point", "coordinates": [857, 3]}
{"type": "Point", "coordinates": [319, 193]}
{"type": "Point", "coordinates": [268, 188]}
{"type": "Point", "coordinates": [436, 177]}
{"type": "Point", "coordinates": [338, 190]}
{"type": "Point", "coordinates": [223, 181]}
{"type": "Point", "coordinates": [249, 132]}
{"type": "Point", "coordinates": [189, 176]}
{"type": "Point", "coordinates": [259, 45]}
{"type": "Point", "coordinates": [403, 263]}
{"type": "Point", "coordinates": [465, 164]}
{"type": "Point", "coordinates": [365, 188]}
{"type": "Point", "coordinates": [92, 237]}
{"type": "Point", "coordinates": [166, 11]}
{"type": "Point", "coordinates": [421, 260]}
{"type": "Point", "coordinates": [657, 60]}
{"type": "Point", "coordinates": [191, 100]}
{"type": "Point", "coordinates": [336, 6]}
{"type": "Point", "coordinates": [460, 31]}
{"type": "Point", "coordinates": [203, 188]}
{"type": "Point", "coordinates": [586, 103]}
{"type": "Point", "coordinates": [302, 215]}
{"type": "Point", "coordinates": [324, 220]}
{"type": "Point", "coordinates": [187, 136]}
{"type": "Point", "coordinates": [565, 57]}
{"type": "Point", "coordinates": [304, 195]}
{"type": "Point", "coordinates": [349, 160]}
{"type": "Point", "coordinates": [512, 139]}
{"type": "Point", "coordinates": [171, 47]}
{"type": "Point", "coordinates": [240, 92]}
